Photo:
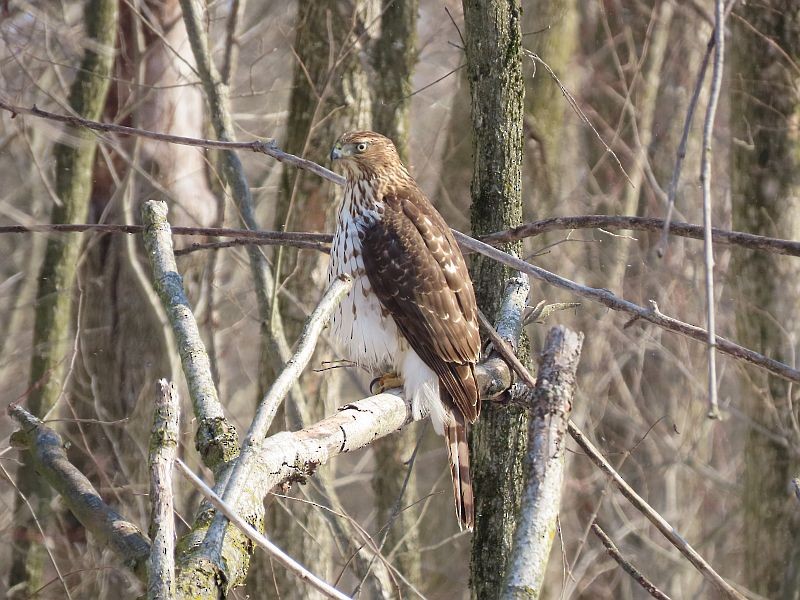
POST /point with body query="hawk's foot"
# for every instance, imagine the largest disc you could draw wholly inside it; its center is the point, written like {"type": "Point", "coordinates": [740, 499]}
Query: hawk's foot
{"type": "Point", "coordinates": [387, 381]}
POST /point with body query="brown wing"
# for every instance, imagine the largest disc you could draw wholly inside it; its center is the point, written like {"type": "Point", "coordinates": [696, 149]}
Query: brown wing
{"type": "Point", "coordinates": [418, 273]}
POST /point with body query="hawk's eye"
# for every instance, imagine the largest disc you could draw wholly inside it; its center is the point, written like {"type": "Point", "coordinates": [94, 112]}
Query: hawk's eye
{"type": "Point", "coordinates": [361, 146]}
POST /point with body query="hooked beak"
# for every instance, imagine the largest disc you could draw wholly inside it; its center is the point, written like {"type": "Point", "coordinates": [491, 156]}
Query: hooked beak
{"type": "Point", "coordinates": [336, 152]}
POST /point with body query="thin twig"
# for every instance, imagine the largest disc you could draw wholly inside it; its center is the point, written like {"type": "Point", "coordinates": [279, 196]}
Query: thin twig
{"type": "Point", "coordinates": [667, 530]}
{"type": "Point", "coordinates": [287, 561]}
{"type": "Point", "coordinates": [705, 179]}
{"type": "Point", "coordinates": [614, 552]}
{"type": "Point", "coordinates": [687, 125]}
{"type": "Point", "coordinates": [163, 449]}
{"type": "Point", "coordinates": [269, 405]}
{"type": "Point", "coordinates": [720, 236]}
{"type": "Point", "coordinates": [268, 147]}
{"type": "Point", "coordinates": [653, 315]}
{"type": "Point", "coordinates": [321, 241]}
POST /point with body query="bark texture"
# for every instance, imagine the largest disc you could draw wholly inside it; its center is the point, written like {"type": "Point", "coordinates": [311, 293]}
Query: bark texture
{"type": "Point", "coordinates": [766, 200]}
{"type": "Point", "coordinates": [544, 465]}
{"type": "Point", "coordinates": [54, 299]}
{"type": "Point", "coordinates": [494, 70]}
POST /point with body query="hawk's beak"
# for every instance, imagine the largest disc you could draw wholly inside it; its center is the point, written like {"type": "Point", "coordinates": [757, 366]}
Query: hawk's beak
{"type": "Point", "coordinates": [336, 152]}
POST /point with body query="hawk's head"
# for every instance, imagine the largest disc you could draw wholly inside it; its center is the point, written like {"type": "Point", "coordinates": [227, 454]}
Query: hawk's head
{"type": "Point", "coordinates": [365, 154]}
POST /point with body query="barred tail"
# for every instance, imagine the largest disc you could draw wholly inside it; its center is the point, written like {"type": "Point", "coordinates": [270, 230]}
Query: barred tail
{"type": "Point", "coordinates": [458, 451]}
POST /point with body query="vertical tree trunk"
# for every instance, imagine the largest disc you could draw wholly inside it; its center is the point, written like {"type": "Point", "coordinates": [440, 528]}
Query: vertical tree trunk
{"type": "Point", "coordinates": [494, 70]}
{"type": "Point", "coordinates": [552, 26]}
{"type": "Point", "coordinates": [51, 340]}
{"type": "Point", "coordinates": [766, 186]}
{"type": "Point", "coordinates": [393, 58]}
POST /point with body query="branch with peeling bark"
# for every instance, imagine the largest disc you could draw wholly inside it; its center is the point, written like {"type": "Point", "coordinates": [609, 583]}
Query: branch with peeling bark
{"type": "Point", "coordinates": [544, 464]}
{"type": "Point", "coordinates": [163, 449]}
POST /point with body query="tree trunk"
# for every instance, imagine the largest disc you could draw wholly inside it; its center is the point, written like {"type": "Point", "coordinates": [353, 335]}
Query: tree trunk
{"type": "Point", "coordinates": [51, 339]}
{"type": "Point", "coordinates": [766, 186]}
{"type": "Point", "coordinates": [553, 29]}
{"type": "Point", "coordinates": [499, 440]}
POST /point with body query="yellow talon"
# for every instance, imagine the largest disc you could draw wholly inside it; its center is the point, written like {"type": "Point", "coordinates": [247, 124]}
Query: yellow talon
{"type": "Point", "coordinates": [385, 382]}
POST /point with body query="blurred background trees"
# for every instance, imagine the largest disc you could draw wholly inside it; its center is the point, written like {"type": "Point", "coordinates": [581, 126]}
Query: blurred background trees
{"type": "Point", "coordinates": [301, 73]}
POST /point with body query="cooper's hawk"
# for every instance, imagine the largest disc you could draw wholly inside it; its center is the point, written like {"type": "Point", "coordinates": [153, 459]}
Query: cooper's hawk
{"type": "Point", "coordinates": [412, 307]}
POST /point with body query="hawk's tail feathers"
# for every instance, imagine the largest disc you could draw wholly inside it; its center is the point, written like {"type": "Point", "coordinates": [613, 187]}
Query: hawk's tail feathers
{"type": "Point", "coordinates": [458, 452]}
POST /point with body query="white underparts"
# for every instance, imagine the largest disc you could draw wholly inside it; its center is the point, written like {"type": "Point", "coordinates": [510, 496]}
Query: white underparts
{"type": "Point", "coordinates": [365, 331]}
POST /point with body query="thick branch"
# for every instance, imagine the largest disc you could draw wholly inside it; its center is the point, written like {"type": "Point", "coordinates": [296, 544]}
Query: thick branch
{"type": "Point", "coordinates": [163, 448]}
{"type": "Point", "coordinates": [216, 438]}
{"type": "Point", "coordinates": [541, 499]}
{"type": "Point", "coordinates": [50, 461]}
{"type": "Point", "coordinates": [287, 561]}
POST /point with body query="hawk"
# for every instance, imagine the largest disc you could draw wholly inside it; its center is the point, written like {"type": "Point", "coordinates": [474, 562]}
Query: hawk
{"type": "Point", "coordinates": [411, 310]}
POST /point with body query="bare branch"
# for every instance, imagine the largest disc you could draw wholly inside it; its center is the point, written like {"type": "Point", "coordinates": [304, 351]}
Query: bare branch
{"type": "Point", "coordinates": [544, 464]}
{"type": "Point", "coordinates": [705, 180]}
{"type": "Point", "coordinates": [216, 438]}
{"type": "Point", "coordinates": [268, 147]}
{"type": "Point", "coordinates": [653, 315]}
{"type": "Point", "coordinates": [269, 404]}
{"type": "Point", "coordinates": [720, 236]}
{"type": "Point", "coordinates": [614, 552]}
{"type": "Point", "coordinates": [687, 125]}
{"type": "Point", "coordinates": [321, 241]}
{"type": "Point", "coordinates": [283, 558]}
{"type": "Point", "coordinates": [667, 530]}
{"type": "Point", "coordinates": [78, 494]}
{"type": "Point", "coordinates": [163, 448]}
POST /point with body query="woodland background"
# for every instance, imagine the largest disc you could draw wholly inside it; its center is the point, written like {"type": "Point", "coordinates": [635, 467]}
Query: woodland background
{"type": "Point", "coordinates": [303, 72]}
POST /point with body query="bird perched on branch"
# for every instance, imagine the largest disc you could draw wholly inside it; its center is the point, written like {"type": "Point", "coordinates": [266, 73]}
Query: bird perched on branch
{"type": "Point", "coordinates": [411, 310]}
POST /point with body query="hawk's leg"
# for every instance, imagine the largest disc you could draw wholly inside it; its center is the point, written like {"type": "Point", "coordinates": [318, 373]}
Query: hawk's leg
{"type": "Point", "coordinates": [387, 381]}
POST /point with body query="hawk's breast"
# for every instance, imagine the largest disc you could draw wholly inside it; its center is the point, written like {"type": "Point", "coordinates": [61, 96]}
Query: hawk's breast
{"type": "Point", "coordinates": [360, 326]}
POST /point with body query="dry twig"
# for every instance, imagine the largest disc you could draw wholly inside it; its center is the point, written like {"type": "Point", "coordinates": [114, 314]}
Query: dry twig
{"type": "Point", "coordinates": [614, 552]}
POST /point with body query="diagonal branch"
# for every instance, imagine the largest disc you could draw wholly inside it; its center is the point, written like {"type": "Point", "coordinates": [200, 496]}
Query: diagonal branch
{"type": "Point", "coordinates": [653, 315]}
{"type": "Point", "coordinates": [50, 461]}
{"type": "Point", "coordinates": [631, 570]}
{"type": "Point", "coordinates": [637, 501]}
{"type": "Point", "coordinates": [269, 404]}
{"type": "Point", "coordinates": [216, 438]}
